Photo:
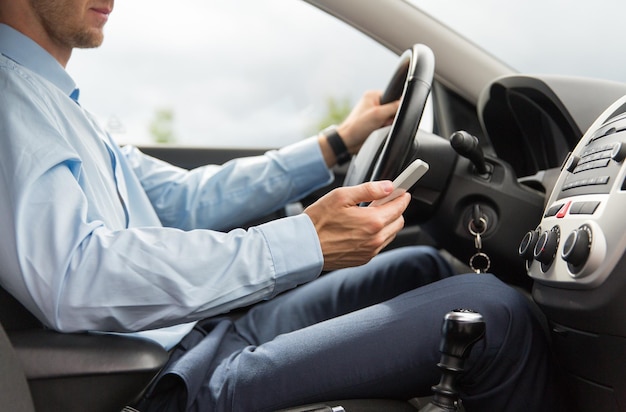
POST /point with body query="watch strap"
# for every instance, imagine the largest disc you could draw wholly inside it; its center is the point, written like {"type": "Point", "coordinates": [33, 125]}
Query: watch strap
{"type": "Point", "coordinates": [337, 145]}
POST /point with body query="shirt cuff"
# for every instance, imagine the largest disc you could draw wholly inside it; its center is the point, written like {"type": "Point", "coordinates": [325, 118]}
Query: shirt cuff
{"type": "Point", "coordinates": [306, 163]}
{"type": "Point", "coordinates": [295, 250]}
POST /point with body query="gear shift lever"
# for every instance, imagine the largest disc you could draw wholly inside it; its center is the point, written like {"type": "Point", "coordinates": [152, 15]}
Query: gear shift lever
{"type": "Point", "coordinates": [461, 329]}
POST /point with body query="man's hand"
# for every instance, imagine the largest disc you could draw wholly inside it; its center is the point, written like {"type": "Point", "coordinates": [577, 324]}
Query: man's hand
{"type": "Point", "coordinates": [368, 115]}
{"type": "Point", "coordinates": [351, 235]}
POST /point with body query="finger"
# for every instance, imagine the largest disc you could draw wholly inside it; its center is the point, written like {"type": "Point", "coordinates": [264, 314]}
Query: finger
{"type": "Point", "coordinates": [367, 192]}
{"type": "Point", "coordinates": [389, 109]}
{"type": "Point", "coordinates": [386, 113]}
{"type": "Point", "coordinates": [390, 232]}
{"type": "Point", "coordinates": [394, 208]}
{"type": "Point", "coordinates": [376, 95]}
{"type": "Point", "coordinates": [373, 96]}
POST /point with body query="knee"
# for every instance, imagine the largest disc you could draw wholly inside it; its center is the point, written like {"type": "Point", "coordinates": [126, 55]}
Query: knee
{"type": "Point", "coordinates": [508, 365]}
{"type": "Point", "coordinates": [515, 332]}
{"type": "Point", "coordinates": [496, 294]}
{"type": "Point", "coordinates": [507, 312]}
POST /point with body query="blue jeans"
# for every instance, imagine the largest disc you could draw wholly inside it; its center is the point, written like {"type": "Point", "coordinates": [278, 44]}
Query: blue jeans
{"type": "Point", "coordinates": [366, 332]}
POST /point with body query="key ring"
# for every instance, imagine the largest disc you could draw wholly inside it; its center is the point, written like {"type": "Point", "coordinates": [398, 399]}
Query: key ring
{"type": "Point", "coordinates": [478, 266]}
{"type": "Point", "coordinates": [472, 227]}
{"type": "Point", "coordinates": [479, 262]}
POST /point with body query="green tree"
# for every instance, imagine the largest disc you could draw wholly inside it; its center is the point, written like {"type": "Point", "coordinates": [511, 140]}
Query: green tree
{"type": "Point", "coordinates": [337, 111]}
{"type": "Point", "coordinates": [162, 126]}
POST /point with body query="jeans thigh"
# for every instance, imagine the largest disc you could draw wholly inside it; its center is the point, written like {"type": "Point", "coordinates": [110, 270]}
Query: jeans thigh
{"type": "Point", "coordinates": [343, 291]}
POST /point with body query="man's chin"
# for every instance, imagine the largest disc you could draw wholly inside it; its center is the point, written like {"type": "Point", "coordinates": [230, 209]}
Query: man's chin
{"type": "Point", "coordinates": [89, 40]}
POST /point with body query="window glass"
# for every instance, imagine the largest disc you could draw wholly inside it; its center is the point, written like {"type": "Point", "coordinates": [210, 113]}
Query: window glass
{"type": "Point", "coordinates": [581, 38]}
{"type": "Point", "coordinates": [225, 73]}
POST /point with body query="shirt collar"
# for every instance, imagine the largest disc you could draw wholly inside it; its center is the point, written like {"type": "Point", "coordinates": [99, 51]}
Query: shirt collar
{"type": "Point", "coordinates": [29, 54]}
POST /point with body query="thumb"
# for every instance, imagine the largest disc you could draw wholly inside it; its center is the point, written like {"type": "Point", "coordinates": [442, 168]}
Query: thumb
{"type": "Point", "coordinates": [367, 192]}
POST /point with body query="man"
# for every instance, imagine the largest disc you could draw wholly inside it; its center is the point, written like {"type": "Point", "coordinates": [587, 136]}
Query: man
{"type": "Point", "coordinates": [98, 238]}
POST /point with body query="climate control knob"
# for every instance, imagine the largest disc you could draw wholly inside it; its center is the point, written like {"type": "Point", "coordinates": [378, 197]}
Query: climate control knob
{"type": "Point", "coordinates": [527, 246]}
{"type": "Point", "coordinates": [547, 244]}
{"type": "Point", "coordinates": [576, 247]}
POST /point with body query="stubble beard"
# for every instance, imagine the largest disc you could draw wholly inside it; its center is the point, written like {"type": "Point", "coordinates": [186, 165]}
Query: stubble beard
{"type": "Point", "coordinates": [53, 16]}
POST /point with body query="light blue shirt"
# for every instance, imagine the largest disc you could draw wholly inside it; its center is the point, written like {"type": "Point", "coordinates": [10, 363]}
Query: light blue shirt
{"type": "Point", "coordinates": [98, 238]}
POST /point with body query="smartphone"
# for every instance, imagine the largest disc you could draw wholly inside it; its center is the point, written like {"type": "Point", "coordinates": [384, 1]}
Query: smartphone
{"type": "Point", "coordinates": [404, 181]}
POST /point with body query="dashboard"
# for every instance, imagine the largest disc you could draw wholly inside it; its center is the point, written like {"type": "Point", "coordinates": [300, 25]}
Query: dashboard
{"type": "Point", "coordinates": [532, 122]}
{"type": "Point", "coordinates": [574, 251]}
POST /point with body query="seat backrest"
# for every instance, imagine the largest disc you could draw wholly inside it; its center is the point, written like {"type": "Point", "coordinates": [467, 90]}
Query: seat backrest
{"type": "Point", "coordinates": [15, 395]}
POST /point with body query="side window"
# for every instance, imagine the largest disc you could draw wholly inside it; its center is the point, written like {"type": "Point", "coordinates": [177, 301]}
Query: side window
{"type": "Point", "coordinates": [225, 73]}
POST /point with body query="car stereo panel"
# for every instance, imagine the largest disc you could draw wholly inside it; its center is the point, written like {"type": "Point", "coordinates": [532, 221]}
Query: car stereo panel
{"type": "Point", "coordinates": [581, 237]}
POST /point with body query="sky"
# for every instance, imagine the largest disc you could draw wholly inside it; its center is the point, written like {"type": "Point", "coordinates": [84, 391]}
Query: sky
{"type": "Point", "coordinates": [574, 37]}
{"type": "Point", "coordinates": [233, 77]}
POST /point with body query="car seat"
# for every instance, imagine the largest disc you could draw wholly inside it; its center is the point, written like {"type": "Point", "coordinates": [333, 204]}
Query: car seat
{"type": "Point", "coordinates": [43, 370]}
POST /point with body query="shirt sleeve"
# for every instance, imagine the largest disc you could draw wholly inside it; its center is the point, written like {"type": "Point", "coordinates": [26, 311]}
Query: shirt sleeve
{"type": "Point", "coordinates": [69, 258]}
{"type": "Point", "coordinates": [221, 197]}
{"type": "Point", "coordinates": [78, 274]}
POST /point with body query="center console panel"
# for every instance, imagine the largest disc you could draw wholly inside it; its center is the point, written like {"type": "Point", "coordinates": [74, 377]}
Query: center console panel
{"type": "Point", "coordinates": [576, 258]}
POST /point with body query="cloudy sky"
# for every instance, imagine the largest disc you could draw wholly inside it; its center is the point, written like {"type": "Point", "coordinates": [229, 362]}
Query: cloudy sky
{"type": "Point", "coordinates": [574, 37]}
{"type": "Point", "coordinates": [231, 76]}
{"type": "Point", "coordinates": [226, 69]}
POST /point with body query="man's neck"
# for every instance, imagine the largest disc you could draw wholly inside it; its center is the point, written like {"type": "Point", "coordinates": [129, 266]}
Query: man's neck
{"type": "Point", "coordinates": [29, 26]}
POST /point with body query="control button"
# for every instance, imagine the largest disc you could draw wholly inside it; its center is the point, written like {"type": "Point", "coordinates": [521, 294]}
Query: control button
{"type": "Point", "coordinates": [601, 153]}
{"type": "Point", "coordinates": [552, 211]}
{"type": "Point", "coordinates": [599, 180]}
{"type": "Point", "coordinates": [610, 131]}
{"type": "Point", "coordinates": [619, 152]}
{"type": "Point", "coordinates": [575, 208]}
{"type": "Point", "coordinates": [596, 164]}
{"type": "Point", "coordinates": [545, 249]}
{"type": "Point", "coordinates": [596, 149]}
{"type": "Point", "coordinates": [563, 211]}
{"type": "Point", "coordinates": [572, 162]}
{"type": "Point", "coordinates": [527, 246]}
{"type": "Point", "coordinates": [584, 208]}
{"type": "Point", "coordinates": [589, 208]}
{"type": "Point", "coordinates": [602, 180]}
{"type": "Point", "coordinates": [566, 160]}
{"type": "Point", "coordinates": [591, 150]}
{"type": "Point", "coordinates": [592, 181]}
{"type": "Point", "coordinates": [577, 247]}
{"type": "Point", "coordinates": [601, 133]}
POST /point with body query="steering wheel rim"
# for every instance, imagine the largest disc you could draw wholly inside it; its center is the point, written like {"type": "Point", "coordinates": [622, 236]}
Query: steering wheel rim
{"type": "Point", "coordinates": [411, 83]}
{"type": "Point", "coordinates": [396, 153]}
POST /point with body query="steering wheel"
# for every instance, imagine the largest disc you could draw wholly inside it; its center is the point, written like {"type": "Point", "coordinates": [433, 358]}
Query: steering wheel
{"type": "Point", "coordinates": [389, 150]}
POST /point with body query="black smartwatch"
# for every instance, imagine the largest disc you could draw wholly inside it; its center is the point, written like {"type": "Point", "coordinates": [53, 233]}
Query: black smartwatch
{"type": "Point", "coordinates": [336, 143]}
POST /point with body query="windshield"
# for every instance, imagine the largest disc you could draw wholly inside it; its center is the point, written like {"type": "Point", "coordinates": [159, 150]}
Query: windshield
{"type": "Point", "coordinates": [542, 36]}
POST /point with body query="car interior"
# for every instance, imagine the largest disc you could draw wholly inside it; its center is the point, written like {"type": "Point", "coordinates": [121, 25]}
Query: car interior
{"type": "Point", "coordinates": [526, 181]}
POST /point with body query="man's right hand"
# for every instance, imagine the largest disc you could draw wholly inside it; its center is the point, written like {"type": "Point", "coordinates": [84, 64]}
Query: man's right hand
{"type": "Point", "coordinates": [351, 235]}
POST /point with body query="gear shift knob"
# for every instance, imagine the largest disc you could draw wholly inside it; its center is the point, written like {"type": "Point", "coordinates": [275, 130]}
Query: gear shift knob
{"type": "Point", "coordinates": [461, 329]}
